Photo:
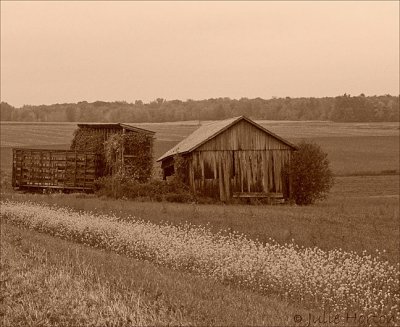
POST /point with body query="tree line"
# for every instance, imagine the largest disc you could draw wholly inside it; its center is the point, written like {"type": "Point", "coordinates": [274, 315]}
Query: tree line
{"type": "Point", "coordinates": [344, 108]}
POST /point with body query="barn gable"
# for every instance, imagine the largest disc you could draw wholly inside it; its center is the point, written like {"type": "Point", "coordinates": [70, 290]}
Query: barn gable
{"type": "Point", "coordinates": [244, 135]}
{"type": "Point", "coordinates": [228, 135]}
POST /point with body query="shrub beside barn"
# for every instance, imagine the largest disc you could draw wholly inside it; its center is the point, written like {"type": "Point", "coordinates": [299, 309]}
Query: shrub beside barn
{"type": "Point", "coordinates": [235, 157]}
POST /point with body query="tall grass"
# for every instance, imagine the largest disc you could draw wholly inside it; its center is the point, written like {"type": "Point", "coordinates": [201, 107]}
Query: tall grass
{"type": "Point", "coordinates": [334, 279]}
{"type": "Point", "coordinates": [36, 292]}
{"type": "Point", "coordinates": [362, 213]}
{"type": "Point", "coordinates": [170, 297]}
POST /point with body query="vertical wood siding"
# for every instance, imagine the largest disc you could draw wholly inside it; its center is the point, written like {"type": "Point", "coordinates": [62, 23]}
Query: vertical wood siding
{"type": "Point", "coordinates": [241, 159]}
{"type": "Point", "coordinates": [238, 171]}
{"type": "Point", "coordinates": [61, 169]}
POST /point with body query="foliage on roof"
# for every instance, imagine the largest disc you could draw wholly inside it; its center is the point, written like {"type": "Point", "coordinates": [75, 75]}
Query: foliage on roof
{"type": "Point", "coordinates": [115, 126]}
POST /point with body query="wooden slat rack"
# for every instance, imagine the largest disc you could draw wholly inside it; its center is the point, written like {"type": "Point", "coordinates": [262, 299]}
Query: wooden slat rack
{"type": "Point", "coordinates": [55, 169]}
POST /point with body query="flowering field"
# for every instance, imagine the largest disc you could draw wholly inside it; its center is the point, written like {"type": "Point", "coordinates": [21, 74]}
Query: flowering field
{"type": "Point", "coordinates": [333, 280]}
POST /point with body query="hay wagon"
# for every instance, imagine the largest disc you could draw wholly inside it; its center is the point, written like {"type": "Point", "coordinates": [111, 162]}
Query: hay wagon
{"type": "Point", "coordinates": [55, 169]}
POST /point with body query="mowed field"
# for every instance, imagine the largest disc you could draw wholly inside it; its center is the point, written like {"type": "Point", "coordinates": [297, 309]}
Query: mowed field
{"type": "Point", "coordinates": [352, 147]}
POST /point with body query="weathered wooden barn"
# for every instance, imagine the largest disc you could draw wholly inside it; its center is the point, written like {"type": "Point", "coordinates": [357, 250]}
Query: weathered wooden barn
{"type": "Point", "coordinates": [235, 157]}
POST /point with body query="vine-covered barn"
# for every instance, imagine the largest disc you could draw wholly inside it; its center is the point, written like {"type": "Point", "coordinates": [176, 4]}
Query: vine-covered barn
{"type": "Point", "coordinates": [235, 157]}
{"type": "Point", "coordinates": [124, 148]}
{"type": "Point", "coordinates": [102, 131]}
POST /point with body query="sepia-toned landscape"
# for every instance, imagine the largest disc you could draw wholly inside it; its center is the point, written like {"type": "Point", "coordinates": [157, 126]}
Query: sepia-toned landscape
{"type": "Point", "coordinates": [199, 163]}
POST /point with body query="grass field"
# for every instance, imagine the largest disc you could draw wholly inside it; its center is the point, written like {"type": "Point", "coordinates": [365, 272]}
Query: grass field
{"type": "Point", "coordinates": [51, 282]}
{"type": "Point", "coordinates": [362, 213]}
{"type": "Point", "coordinates": [308, 276]}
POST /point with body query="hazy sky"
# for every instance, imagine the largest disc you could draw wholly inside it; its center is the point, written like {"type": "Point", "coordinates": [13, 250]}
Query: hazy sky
{"type": "Point", "coordinates": [55, 52]}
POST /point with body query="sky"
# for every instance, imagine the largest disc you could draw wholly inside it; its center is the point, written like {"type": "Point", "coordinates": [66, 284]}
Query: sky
{"type": "Point", "coordinates": [58, 52]}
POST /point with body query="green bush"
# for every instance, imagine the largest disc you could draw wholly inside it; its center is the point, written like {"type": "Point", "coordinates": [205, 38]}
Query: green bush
{"type": "Point", "coordinates": [310, 174]}
{"type": "Point", "coordinates": [118, 186]}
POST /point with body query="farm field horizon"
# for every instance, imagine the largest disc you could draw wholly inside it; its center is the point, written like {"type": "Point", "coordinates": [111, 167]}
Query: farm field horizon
{"type": "Point", "coordinates": [353, 148]}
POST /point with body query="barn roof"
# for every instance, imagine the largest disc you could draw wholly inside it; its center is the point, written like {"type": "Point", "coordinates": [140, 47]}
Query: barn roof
{"type": "Point", "coordinates": [208, 131]}
{"type": "Point", "coordinates": [116, 126]}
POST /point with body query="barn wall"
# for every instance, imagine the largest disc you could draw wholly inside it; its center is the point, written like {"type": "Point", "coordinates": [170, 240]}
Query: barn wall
{"type": "Point", "coordinates": [243, 136]}
{"type": "Point", "coordinates": [222, 173]}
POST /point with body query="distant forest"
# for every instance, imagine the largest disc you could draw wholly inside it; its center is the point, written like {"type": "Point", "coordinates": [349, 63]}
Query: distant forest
{"type": "Point", "coordinates": [343, 108]}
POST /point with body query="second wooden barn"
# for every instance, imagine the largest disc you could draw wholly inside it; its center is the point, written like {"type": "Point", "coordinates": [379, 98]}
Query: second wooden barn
{"type": "Point", "coordinates": [235, 157]}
